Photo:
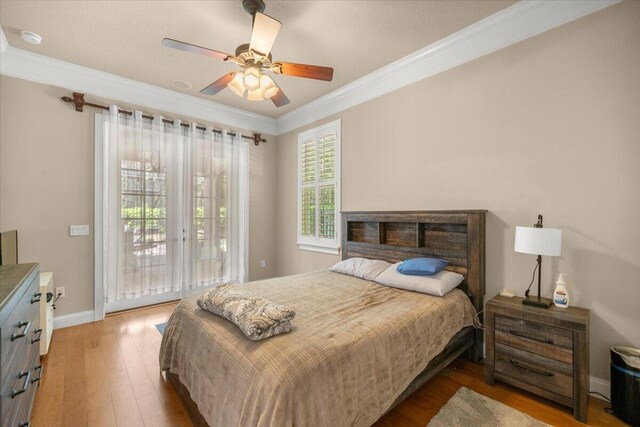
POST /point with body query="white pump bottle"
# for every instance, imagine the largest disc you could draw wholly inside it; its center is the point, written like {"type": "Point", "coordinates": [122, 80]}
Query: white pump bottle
{"type": "Point", "coordinates": [561, 295]}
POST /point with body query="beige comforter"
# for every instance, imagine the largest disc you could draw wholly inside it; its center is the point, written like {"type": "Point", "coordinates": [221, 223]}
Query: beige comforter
{"type": "Point", "coordinates": [354, 347]}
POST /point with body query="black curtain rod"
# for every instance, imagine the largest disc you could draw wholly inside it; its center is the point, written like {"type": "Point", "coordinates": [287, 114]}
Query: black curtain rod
{"type": "Point", "coordinates": [79, 102]}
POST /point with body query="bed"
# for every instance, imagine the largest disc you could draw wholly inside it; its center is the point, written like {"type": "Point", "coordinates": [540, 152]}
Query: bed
{"type": "Point", "coordinates": [357, 348]}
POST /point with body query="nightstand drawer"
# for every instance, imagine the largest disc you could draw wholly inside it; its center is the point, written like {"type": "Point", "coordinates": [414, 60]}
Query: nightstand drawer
{"type": "Point", "coordinates": [533, 369]}
{"type": "Point", "coordinates": [545, 340]}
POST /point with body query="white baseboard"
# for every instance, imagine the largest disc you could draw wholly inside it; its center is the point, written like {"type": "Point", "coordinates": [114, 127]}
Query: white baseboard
{"type": "Point", "coordinates": [600, 386]}
{"type": "Point", "coordinates": [72, 319]}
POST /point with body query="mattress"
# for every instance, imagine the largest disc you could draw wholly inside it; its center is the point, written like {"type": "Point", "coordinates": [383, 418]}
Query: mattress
{"type": "Point", "coordinates": [354, 348]}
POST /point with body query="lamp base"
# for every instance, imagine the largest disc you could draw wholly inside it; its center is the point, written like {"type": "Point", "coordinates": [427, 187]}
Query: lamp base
{"type": "Point", "coordinates": [537, 302]}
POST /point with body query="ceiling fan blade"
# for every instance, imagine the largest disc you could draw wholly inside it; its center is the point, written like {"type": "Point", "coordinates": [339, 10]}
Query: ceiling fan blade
{"type": "Point", "coordinates": [280, 99]}
{"type": "Point", "coordinates": [187, 47]}
{"type": "Point", "coordinates": [265, 31]}
{"type": "Point", "coordinates": [303, 70]}
{"type": "Point", "coordinates": [218, 85]}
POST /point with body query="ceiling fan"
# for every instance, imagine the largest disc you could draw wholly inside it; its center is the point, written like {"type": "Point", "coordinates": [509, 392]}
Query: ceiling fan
{"type": "Point", "coordinates": [254, 59]}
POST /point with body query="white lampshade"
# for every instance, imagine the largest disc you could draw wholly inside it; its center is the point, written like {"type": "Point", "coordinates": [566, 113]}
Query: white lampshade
{"type": "Point", "coordinates": [267, 86]}
{"type": "Point", "coordinates": [255, 95]}
{"type": "Point", "coordinates": [237, 84]}
{"type": "Point", "coordinates": [538, 241]}
{"type": "Point", "coordinates": [252, 78]}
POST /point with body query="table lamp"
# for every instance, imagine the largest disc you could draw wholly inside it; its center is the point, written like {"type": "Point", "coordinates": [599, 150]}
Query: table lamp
{"type": "Point", "coordinates": [539, 241]}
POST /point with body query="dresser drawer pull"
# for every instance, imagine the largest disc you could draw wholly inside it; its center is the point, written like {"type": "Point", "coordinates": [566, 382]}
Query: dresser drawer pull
{"type": "Point", "coordinates": [36, 298]}
{"type": "Point", "coordinates": [24, 325]}
{"type": "Point", "coordinates": [535, 371]}
{"type": "Point", "coordinates": [518, 334]}
{"type": "Point", "coordinates": [39, 332]}
{"type": "Point", "coordinates": [25, 386]}
{"type": "Point", "coordinates": [37, 368]}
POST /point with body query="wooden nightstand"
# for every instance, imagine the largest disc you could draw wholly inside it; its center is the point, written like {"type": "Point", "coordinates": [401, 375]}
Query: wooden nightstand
{"type": "Point", "coordinates": [544, 351]}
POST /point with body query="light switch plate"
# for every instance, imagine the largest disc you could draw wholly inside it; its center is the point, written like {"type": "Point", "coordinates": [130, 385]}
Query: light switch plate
{"type": "Point", "coordinates": [78, 230]}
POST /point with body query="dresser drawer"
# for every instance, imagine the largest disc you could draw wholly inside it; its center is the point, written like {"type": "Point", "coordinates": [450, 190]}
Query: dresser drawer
{"type": "Point", "coordinates": [17, 408]}
{"type": "Point", "coordinates": [19, 329]}
{"type": "Point", "coordinates": [549, 341]}
{"type": "Point", "coordinates": [26, 404]}
{"type": "Point", "coordinates": [534, 369]}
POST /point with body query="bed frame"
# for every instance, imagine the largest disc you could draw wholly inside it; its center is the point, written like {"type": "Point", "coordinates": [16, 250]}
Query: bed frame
{"type": "Point", "coordinates": [456, 236]}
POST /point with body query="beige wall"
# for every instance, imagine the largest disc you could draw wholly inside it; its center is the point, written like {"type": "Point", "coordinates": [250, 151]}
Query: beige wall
{"type": "Point", "coordinates": [46, 184]}
{"type": "Point", "coordinates": [550, 125]}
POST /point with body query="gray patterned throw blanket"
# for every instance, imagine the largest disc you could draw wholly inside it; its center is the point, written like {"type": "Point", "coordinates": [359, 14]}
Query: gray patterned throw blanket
{"type": "Point", "coordinates": [255, 316]}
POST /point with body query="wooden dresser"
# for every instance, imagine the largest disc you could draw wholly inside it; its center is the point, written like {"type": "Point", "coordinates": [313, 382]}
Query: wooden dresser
{"type": "Point", "coordinates": [544, 351]}
{"type": "Point", "coordinates": [20, 341]}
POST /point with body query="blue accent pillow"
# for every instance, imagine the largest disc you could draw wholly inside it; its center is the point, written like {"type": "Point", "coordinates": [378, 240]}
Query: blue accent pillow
{"type": "Point", "coordinates": [422, 266]}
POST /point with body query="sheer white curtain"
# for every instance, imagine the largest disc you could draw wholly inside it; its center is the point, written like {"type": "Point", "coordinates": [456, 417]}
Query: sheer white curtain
{"type": "Point", "coordinates": [175, 208]}
{"type": "Point", "coordinates": [218, 207]}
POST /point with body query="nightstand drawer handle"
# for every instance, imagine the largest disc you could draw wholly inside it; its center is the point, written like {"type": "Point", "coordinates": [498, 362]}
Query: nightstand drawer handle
{"type": "Point", "coordinates": [518, 334]}
{"type": "Point", "coordinates": [535, 371]}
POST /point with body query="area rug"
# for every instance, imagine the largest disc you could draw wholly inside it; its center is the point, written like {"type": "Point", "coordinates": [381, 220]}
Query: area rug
{"type": "Point", "coordinates": [161, 327]}
{"type": "Point", "coordinates": [467, 408]}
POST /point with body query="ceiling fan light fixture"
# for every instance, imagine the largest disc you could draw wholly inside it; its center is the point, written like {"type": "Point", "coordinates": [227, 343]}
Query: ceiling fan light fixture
{"type": "Point", "coordinates": [267, 86]}
{"type": "Point", "coordinates": [253, 58]}
{"type": "Point", "coordinates": [255, 95]}
{"type": "Point", "coordinates": [252, 77]}
{"type": "Point", "coordinates": [237, 85]}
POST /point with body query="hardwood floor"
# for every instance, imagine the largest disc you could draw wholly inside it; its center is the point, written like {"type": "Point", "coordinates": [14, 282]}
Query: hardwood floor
{"type": "Point", "coordinates": [106, 374]}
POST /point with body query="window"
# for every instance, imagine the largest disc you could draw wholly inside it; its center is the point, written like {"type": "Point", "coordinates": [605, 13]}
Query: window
{"type": "Point", "coordinates": [319, 188]}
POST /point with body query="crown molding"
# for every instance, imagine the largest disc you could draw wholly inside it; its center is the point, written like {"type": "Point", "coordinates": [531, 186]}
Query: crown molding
{"type": "Point", "coordinates": [521, 21]}
{"type": "Point", "coordinates": [42, 69]}
{"type": "Point", "coordinates": [518, 22]}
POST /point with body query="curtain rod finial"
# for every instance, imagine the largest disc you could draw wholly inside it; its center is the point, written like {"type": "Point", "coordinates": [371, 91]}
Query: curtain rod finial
{"type": "Point", "coordinates": [257, 138]}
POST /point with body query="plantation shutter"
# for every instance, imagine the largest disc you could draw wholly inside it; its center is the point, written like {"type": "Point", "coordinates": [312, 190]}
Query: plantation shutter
{"type": "Point", "coordinates": [318, 188]}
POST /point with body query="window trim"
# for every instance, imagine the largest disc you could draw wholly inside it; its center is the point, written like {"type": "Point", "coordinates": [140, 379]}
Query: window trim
{"type": "Point", "coordinates": [317, 244]}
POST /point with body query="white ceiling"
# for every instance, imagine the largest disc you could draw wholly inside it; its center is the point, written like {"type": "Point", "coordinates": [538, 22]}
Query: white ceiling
{"type": "Point", "coordinates": [123, 37]}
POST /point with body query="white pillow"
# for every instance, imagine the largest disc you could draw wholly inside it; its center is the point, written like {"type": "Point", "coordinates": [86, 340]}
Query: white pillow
{"type": "Point", "coordinates": [363, 268]}
{"type": "Point", "coordinates": [438, 284]}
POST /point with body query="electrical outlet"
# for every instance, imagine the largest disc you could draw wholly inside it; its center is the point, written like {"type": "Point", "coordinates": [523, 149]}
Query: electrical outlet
{"type": "Point", "coordinates": [60, 291]}
{"type": "Point", "coordinates": [263, 263]}
{"type": "Point", "coordinates": [78, 230]}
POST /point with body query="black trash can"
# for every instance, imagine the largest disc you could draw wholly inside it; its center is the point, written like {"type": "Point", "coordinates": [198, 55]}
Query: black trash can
{"type": "Point", "coordinates": [625, 384]}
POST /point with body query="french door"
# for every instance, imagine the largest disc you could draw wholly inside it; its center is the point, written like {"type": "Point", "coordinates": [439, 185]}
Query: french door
{"type": "Point", "coordinates": [172, 203]}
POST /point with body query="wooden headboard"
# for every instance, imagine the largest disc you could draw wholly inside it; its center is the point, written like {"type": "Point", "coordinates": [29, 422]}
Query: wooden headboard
{"type": "Point", "coordinates": [455, 236]}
